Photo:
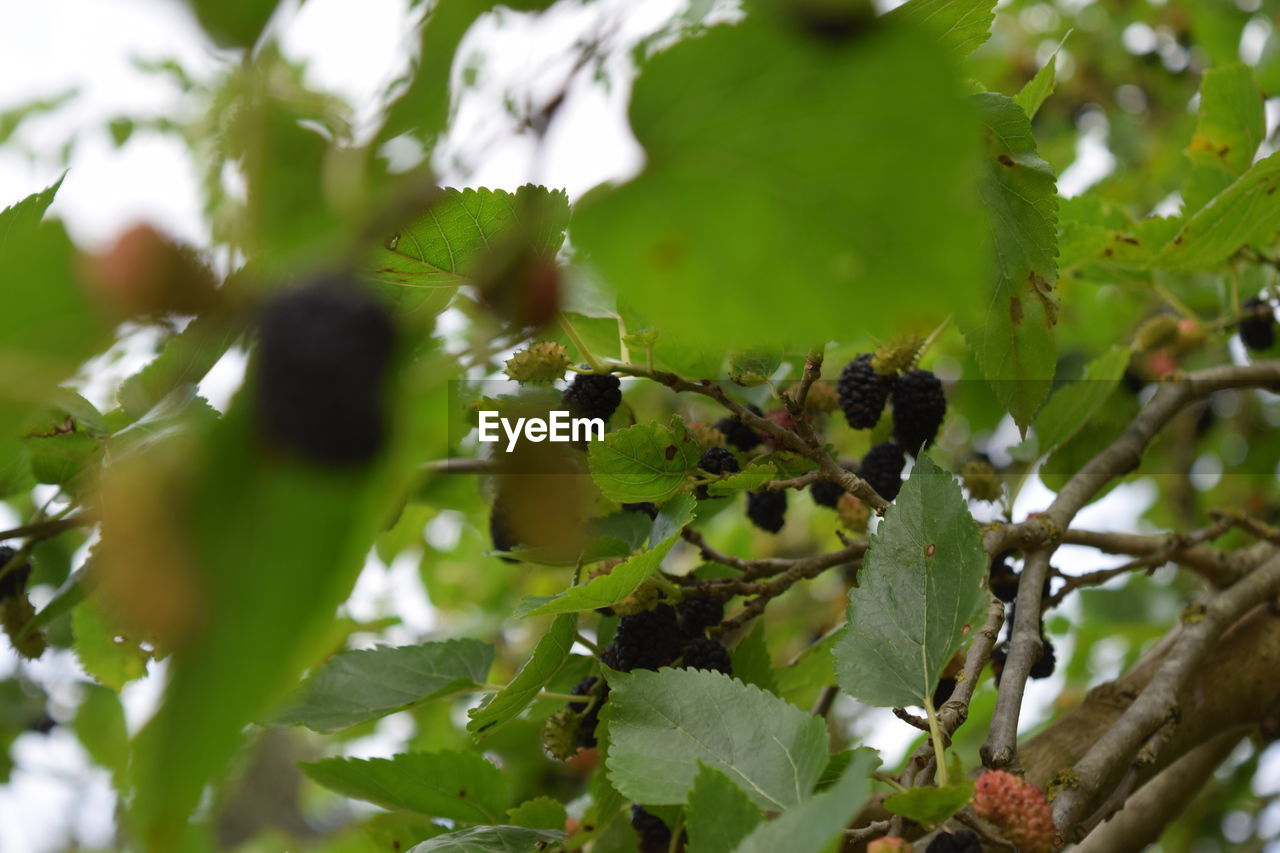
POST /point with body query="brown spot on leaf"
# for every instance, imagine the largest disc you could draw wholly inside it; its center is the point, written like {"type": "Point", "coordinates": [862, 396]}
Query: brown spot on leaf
{"type": "Point", "coordinates": [1177, 241]}
{"type": "Point", "coordinates": [462, 793]}
{"type": "Point", "coordinates": [670, 452]}
{"type": "Point", "coordinates": [1006, 161]}
{"type": "Point", "coordinates": [1015, 310]}
{"type": "Point", "coordinates": [667, 254]}
{"type": "Point", "coordinates": [1125, 238]}
{"type": "Point", "coordinates": [931, 550]}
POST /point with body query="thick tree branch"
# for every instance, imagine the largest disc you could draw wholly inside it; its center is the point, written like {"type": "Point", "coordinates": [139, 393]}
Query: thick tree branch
{"type": "Point", "coordinates": [1158, 703]}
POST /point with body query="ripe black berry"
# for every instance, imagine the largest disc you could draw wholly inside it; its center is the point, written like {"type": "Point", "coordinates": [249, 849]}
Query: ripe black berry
{"type": "Point", "coordinates": [647, 640]}
{"type": "Point", "coordinates": [716, 460]}
{"type": "Point", "coordinates": [706, 653]}
{"type": "Point", "coordinates": [587, 728]}
{"type": "Point", "coordinates": [941, 693]}
{"type": "Point", "coordinates": [500, 532]}
{"type": "Point", "coordinates": [739, 434]}
{"type": "Point", "coordinates": [1258, 328]}
{"type": "Point", "coordinates": [964, 841]}
{"type": "Point", "coordinates": [592, 395]}
{"type": "Point", "coordinates": [882, 468]}
{"type": "Point", "coordinates": [862, 392]}
{"type": "Point", "coordinates": [647, 507]}
{"type": "Point", "coordinates": [766, 510]}
{"type": "Point", "coordinates": [698, 614]}
{"type": "Point", "coordinates": [1003, 580]}
{"type": "Point", "coordinates": [323, 352]}
{"type": "Point", "coordinates": [918, 409]}
{"type": "Point", "coordinates": [826, 493]}
{"type": "Point", "coordinates": [1047, 662]}
{"type": "Point", "coordinates": [653, 834]}
{"type": "Point", "coordinates": [15, 581]}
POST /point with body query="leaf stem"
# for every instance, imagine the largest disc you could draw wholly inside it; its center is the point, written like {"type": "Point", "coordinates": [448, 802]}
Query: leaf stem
{"type": "Point", "coordinates": [935, 734]}
{"type": "Point", "coordinates": [577, 341]}
{"type": "Point", "coordinates": [666, 586]}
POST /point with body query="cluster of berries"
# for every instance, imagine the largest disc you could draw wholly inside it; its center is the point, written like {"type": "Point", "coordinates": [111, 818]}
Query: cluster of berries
{"type": "Point", "coordinates": [1003, 581]}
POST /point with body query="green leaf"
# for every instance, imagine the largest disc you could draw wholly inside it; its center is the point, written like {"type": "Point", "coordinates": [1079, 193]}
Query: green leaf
{"type": "Point", "coordinates": [182, 362]}
{"type": "Point", "coordinates": [112, 658]}
{"type": "Point", "coordinates": [549, 657]}
{"type": "Point", "coordinates": [1038, 88]}
{"type": "Point", "coordinates": [839, 762]}
{"type": "Point", "coordinates": [663, 724]}
{"type": "Point", "coordinates": [810, 826]}
{"type": "Point", "coordinates": [490, 839]}
{"type": "Point", "coordinates": [788, 209]}
{"type": "Point", "coordinates": [751, 663]}
{"type": "Point", "coordinates": [100, 726]}
{"type": "Point", "coordinates": [452, 785]}
{"type": "Point", "coordinates": [1231, 123]}
{"type": "Point", "coordinates": [1013, 344]}
{"type": "Point", "coordinates": [1074, 404]}
{"type": "Point", "coordinates": [538, 813]}
{"type": "Point", "coordinates": [421, 266]}
{"type": "Point", "coordinates": [751, 477]}
{"type": "Point", "coordinates": [645, 462]}
{"type": "Point", "coordinates": [1244, 213]}
{"type": "Point", "coordinates": [920, 584]}
{"type": "Point", "coordinates": [353, 687]}
{"type": "Point", "coordinates": [720, 815]}
{"type": "Point", "coordinates": [962, 24]}
{"type": "Point", "coordinates": [233, 23]}
{"type": "Point", "coordinates": [930, 805]}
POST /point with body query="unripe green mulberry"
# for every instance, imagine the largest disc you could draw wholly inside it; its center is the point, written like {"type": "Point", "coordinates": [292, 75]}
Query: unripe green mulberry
{"type": "Point", "coordinates": [981, 481]}
{"type": "Point", "coordinates": [545, 361]}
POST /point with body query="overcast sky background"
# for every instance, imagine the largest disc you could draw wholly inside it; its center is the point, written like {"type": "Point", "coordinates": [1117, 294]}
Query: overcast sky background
{"type": "Point", "coordinates": [353, 49]}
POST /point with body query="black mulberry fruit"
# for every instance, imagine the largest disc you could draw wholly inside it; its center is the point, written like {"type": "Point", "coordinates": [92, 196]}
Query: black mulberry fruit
{"type": "Point", "coordinates": [647, 507]}
{"type": "Point", "coordinates": [862, 392]}
{"type": "Point", "coordinates": [918, 409]}
{"type": "Point", "coordinates": [1003, 580]}
{"type": "Point", "coordinates": [706, 653]}
{"type": "Point", "coordinates": [717, 461]}
{"type": "Point", "coordinates": [1047, 662]}
{"type": "Point", "coordinates": [826, 493]}
{"type": "Point", "coordinates": [699, 613]}
{"type": "Point", "coordinates": [739, 434]}
{"type": "Point", "coordinates": [767, 510]}
{"type": "Point", "coordinates": [647, 640]}
{"type": "Point", "coordinates": [653, 834]}
{"type": "Point", "coordinates": [587, 728]}
{"type": "Point", "coordinates": [593, 395]}
{"type": "Point", "coordinates": [882, 468]}
{"type": "Point", "coordinates": [323, 353]}
{"type": "Point", "coordinates": [500, 532]}
{"type": "Point", "coordinates": [14, 582]}
{"type": "Point", "coordinates": [941, 693]}
{"type": "Point", "coordinates": [1258, 328]}
{"type": "Point", "coordinates": [964, 841]}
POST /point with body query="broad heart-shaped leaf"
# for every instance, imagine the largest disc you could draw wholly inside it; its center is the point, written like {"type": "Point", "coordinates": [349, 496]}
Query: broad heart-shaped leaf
{"type": "Point", "coordinates": [452, 785]}
{"type": "Point", "coordinates": [645, 462]}
{"type": "Point", "coordinates": [930, 805]}
{"type": "Point", "coordinates": [749, 478]}
{"type": "Point", "coordinates": [826, 203]}
{"type": "Point", "coordinates": [422, 264]}
{"type": "Point", "coordinates": [1013, 342]}
{"type": "Point", "coordinates": [1074, 404]}
{"type": "Point", "coordinates": [963, 25]}
{"type": "Point", "coordinates": [919, 586]}
{"type": "Point", "coordinates": [720, 815]}
{"type": "Point", "coordinates": [1246, 212]}
{"type": "Point", "coordinates": [549, 657]}
{"type": "Point", "coordinates": [663, 724]}
{"type": "Point", "coordinates": [352, 687]}
{"type": "Point", "coordinates": [538, 813]}
{"type": "Point", "coordinates": [810, 826]}
{"type": "Point", "coordinates": [490, 839]}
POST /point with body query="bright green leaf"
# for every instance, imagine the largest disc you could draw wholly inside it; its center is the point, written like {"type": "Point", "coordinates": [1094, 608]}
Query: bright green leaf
{"type": "Point", "coordinates": [920, 584]}
{"type": "Point", "coordinates": [1038, 88]}
{"type": "Point", "coordinates": [929, 805]}
{"type": "Point", "coordinates": [549, 657]}
{"type": "Point", "coordinates": [720, 815]}
{"type": "Point", "coordinates": [538, 813]}
{"type": "Point", "coordinates": [645, 462]}
{"type": "Point", "coordinates": [112, 658]}
{"type": "Point", "coordinates": [452, 785]}
{"type": "Point", "coordinates": [1074, 404]}
{"type": "Point", "coordinates": [962, 24]}
{"type": "Point", "coordinates": [749, 478]}
{"type": "Point", "coordinates": [353, 687]}
{"type": "Point", "coordinates": [662, 724]}
{"type": "Point", "coordinates": [490, 839]}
